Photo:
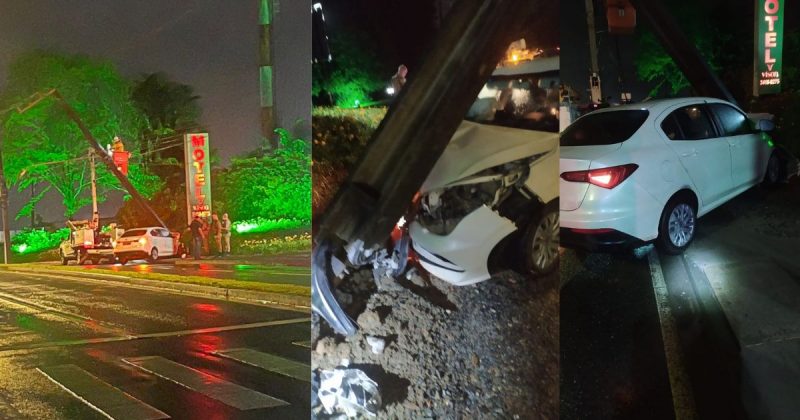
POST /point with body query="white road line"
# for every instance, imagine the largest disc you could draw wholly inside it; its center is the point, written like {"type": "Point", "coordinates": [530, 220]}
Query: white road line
{"type": "Point", "coordinates": [269, 362]}
{"type": "Point", "coordinates": [101, 340]}
{"type": "Point", "coordinates": [173, 291]}
{"type": "Point", "coordinates": [304, 344]}
{"type": "Point", "coordinates": [98, 326]}
{"type": "Point", "coordinates": [99, 395]}
{"type": "Point", "coordinates": [211, 386]}
{"type": "Point", "coordinates": [682, 396]}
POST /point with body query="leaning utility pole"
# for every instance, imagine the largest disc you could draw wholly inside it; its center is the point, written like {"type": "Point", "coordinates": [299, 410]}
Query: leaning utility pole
{"type": "Point", "coordinates": [266, 75]}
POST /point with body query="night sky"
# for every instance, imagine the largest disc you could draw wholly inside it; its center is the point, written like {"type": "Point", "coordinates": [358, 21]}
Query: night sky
{"type": "Point", "coordinates": [211, 45]}
{"type": "Point", "coordinates": [402, 30]}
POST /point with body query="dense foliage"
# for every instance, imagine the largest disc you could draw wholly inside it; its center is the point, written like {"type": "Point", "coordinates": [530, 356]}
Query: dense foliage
{"type": "Point", "coordinates": [340, 137]}
{"type": "Point", "coordinates": [44, 147]}
{"type": "Point", "coordinates": [353, 75]}
{"type": "Point", "coordinates": [36, 240]}
{"type": "Point", "coordinates": [274, 184]}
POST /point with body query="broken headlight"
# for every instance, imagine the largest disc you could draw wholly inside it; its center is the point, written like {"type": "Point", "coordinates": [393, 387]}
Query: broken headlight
{"type": "Point", "coordinates": [440, 211]}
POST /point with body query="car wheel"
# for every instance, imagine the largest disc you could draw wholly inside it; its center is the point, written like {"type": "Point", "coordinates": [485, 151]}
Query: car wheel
{"type": "Point", "coordinates": [773, 174]}
{"type": "Point", "coordinates": [123, 261]}
{"type": "Point", "coordinates": [153, 255]}
{"type": "Point", "coordinates": [64, 259]}
{"type": "Point", "coordinates": [540, 243]}
{"type": "Point", "coordinates": [677, 227]}
{"type": "Point", "coordinates": [82, 256]}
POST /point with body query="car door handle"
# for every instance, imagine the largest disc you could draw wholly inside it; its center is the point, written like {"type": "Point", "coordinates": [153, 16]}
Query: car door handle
{"type": "Point", "coordinates": [689, 154]}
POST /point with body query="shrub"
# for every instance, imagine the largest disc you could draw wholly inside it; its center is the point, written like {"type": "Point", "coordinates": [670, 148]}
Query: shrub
{"type": "Point", "coordinates": [30, 241]}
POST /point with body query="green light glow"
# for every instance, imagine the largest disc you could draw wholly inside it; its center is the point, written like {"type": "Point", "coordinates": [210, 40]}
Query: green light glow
{"type": "Point", "coordinates": [267, 225]}
{"type": "Point", "coordinates": [37, 240]}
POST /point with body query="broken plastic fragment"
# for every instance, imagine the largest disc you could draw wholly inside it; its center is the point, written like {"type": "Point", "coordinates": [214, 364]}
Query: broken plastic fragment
{"type": "Point", "coordinates": [377, 344]}
{"type": "Point", "coordinates": [348, 391]}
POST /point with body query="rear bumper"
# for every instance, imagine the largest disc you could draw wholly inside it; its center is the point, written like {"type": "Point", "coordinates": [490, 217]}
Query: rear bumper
{"type": "Point", "coordinates": [131, 255]}
{"type": "Point", "coordinates": [612, 240]}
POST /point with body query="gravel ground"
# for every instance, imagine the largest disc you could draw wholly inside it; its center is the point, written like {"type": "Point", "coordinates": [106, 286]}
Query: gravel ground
{"type": "Point", "coordinates": [484, 351]}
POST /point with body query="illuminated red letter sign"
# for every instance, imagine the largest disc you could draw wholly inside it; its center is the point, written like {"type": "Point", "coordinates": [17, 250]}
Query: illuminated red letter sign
{"type": "Point", "coordinates": [768, 47]}
{"type": "Point", "coordinates": [198, 176]}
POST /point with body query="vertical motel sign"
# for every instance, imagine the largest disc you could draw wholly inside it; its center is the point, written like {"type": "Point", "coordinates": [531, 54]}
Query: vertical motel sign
{"type": "Point", "coordinates": [198, 175]}
{"type": "Point", "coordinates": [768, 47]}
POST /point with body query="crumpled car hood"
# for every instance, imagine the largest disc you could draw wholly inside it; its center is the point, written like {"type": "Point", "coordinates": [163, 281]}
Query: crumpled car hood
{"type": "Point", "coordinates": [475, 147]}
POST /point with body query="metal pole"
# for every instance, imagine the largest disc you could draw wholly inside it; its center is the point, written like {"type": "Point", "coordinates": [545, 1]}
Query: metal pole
{"type": "Point", "coordinates": [95, 212]}
{"type": "Point", "coordinates": [4, 206]}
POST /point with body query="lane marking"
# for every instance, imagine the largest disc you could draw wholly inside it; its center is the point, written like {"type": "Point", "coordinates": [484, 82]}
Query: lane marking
{"type": "Point", "coordinates": [101, 340]}
{"type": "Point", "coordinates": [162, 289]}
{"type": "Point", "coordinates": [99, 395]}
{"type": "Point", "coordinates": [95, 325]}
{"type": "Point", "coordinates": [680, 386]}
{"type": "Point", "coordinates": [211, 386]}
{"type": "Point", "coordinates": [268, 362]}
{"type": "Point", "coordinates": [304, 344]}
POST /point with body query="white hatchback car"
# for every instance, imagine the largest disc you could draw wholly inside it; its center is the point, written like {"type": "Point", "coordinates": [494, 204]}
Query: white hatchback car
{"type": "Point", "coordinates": [146, 243]}
{"type": "Point", "coordinates": [645, 172]}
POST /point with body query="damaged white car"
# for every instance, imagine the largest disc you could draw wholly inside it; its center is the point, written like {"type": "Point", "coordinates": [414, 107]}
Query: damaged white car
{"type": "Point", "coordinates": [494, 191]}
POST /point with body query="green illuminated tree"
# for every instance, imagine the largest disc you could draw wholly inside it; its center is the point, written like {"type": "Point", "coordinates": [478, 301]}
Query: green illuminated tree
{"type": "Point", "coordinates": [653, 64]}
{"type": "Point", "coordinates": [44, 147]}
{"type": "Point", "coordinates": [353, 75]}
{"type": "Point", "coordinates": [270, 185]}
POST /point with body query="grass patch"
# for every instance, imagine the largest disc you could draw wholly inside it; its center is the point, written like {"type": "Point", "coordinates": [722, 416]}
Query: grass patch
{"type": "Point", "coordinates": [286, 289]}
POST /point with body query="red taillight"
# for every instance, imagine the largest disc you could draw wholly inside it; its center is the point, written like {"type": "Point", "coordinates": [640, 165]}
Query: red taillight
{"type": "Point", "coordinates": [592, 231]}
{"type": "Point", "coordinates": [603, 177]}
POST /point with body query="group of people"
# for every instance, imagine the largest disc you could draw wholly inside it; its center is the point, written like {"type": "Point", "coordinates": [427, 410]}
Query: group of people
{"type": "Point", "coordinates": [202, 231]}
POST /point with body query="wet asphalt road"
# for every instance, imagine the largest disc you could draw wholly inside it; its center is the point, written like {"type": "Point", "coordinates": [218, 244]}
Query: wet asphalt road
{"type": "Point", "coordinates": [48, 323]}
{"type": "Point", "coordinates": [613, 349]}
{"type": "Point", "coordinates": [284, 274]}
{"type": "Point", "coordinates": [612, 355]}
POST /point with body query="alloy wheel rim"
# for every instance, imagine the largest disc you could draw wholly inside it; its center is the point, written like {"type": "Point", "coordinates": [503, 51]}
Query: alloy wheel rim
{"type": "Point", "coordinates": [545, 242]}
{"type": "Point", "coordinates": [681, 225]}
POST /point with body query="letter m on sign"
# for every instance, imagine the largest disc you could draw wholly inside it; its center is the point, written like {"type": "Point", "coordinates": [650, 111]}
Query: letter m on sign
{"type": "Point", "coordinates": [198, 141]}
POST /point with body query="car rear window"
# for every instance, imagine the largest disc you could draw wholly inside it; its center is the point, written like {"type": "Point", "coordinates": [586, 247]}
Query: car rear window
{"type": "Point", "coordinates": [602, 128]}
{"type": "Point", "coordinates": [134, 232]}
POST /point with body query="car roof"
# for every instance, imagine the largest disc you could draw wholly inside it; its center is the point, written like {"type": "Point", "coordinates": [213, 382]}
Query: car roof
{"type": "Point", "coordinates": [657, 105]}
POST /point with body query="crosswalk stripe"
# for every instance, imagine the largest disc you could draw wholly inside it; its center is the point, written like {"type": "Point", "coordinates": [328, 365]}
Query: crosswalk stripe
{"type": "Point", "coordinates": [101, 396]}
{"type": "Point", "coordinates": [211, 386]}
{"type": "Point", "coordinates": [269, 362]}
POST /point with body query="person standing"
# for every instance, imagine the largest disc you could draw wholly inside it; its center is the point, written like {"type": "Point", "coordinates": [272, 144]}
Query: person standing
{"type": "Point", "coordinates": [216, 230]}
{"type": "Point", "coordinates": [226, 235]}
{"type": "Point", "coordinates": [197, 237]}
{"type": "Point", "coordinates": [399, 79]}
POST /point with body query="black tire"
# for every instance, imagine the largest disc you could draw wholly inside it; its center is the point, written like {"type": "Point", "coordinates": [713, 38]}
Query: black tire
{"type": "Point", "coordinates": [682, 213]}
{"type": "Point", "coordinates": [540, 253]}
{"type": "Point", "coordinates": [153, 257]}
{"type": "Point", "coordinates": [123, 261]}
{"type": "Point", "coordinates": [773, 173]}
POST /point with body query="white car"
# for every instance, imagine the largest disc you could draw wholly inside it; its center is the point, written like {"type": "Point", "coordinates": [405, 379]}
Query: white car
{"type": "Point", "coordinates": [645, 172]}
{"type": "Point", "coordinates": [494, 188]}
{"type": "Point", "coordinates": [149, 243]}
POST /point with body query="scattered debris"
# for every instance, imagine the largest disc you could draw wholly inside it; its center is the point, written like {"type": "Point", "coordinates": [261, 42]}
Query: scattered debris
{"type": "Point", "coordinates": [348, 392]}
{"type": "Point", "coordinates": [376, 343]}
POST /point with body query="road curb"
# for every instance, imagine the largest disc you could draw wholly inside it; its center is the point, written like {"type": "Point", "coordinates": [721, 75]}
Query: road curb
{"type": "Point", "coordinates": [255, 296]}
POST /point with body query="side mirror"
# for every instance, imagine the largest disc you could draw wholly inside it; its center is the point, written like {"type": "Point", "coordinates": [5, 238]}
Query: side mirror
{"type": "Point", "coordinates": [765, 125]}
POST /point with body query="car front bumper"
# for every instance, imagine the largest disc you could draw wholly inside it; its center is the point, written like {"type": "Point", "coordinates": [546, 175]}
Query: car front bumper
{"type": "Point", "coordinates": [462, 257]}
